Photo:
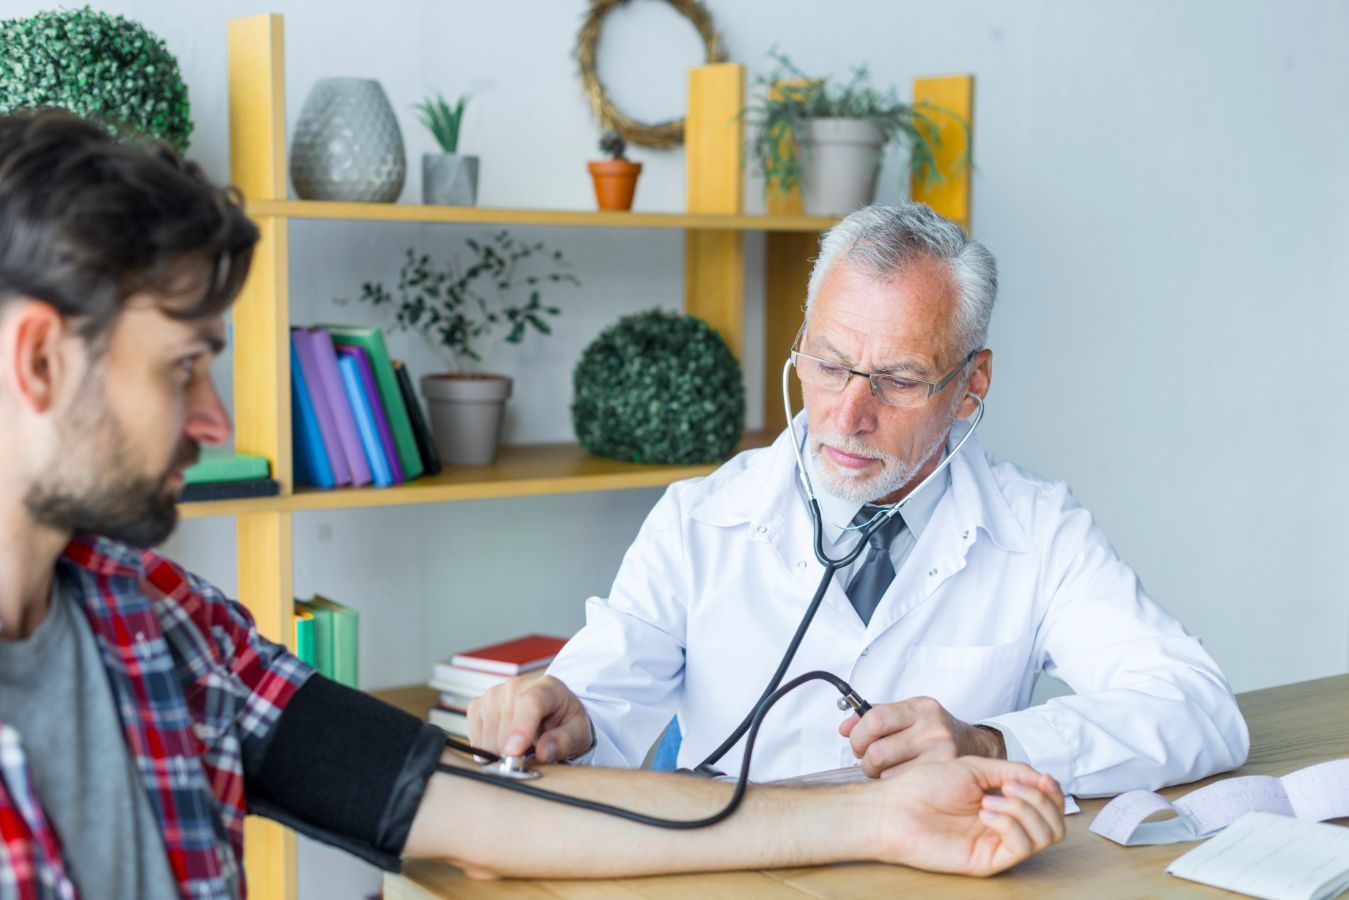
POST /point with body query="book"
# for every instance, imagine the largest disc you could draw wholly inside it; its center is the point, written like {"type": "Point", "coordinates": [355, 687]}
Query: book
{"type": "Point", "coordinates": [365, 421]}
{"type": "Point", "coordinates": [467, 683]}
{"type": "Point", "coordinates": [450, 721]}
{"type": "Point", "coordinates": [371, 340]}
{"type": "Point", "coordinates": [304, 635]}
{"type": "Point", "coordinates": [377, 409]}
{"type": "Point", "coordinates": [311, 459]}
{"type": "Point", "coordinates": [345, 637]}
{"type": "Point", "coordinates": [216, 466]}
{"type": "Point", "coordinates": [323, 636]}
{"type": "Point", "coordinates": [323, 408]}
{"type": "Point", "coordinates": [325, 357]}
{"type": "Point", "coordinates": [229, 490]}
{"type": "Point", "coordinates": [513, 657]}
{"type": "Point", "coordinates": [426, 442]}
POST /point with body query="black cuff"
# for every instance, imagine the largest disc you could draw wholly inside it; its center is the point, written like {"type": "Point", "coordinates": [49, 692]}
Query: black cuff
{"type": "Point", "coordinates": [345, 769]}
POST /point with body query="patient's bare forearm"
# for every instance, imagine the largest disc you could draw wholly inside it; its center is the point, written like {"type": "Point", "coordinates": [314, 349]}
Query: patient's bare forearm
{"type": "Point", "coordinates": [489, 830]}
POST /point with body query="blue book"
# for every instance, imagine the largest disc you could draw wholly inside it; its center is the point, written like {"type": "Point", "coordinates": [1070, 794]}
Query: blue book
{"type": "Point", "coordinates": [365, 420]}
{"type": "Point", "coordinates": [311, 457]}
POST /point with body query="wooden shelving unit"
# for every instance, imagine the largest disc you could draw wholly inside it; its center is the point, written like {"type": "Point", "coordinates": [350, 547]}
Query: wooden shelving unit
{"type": "Point", "coordinates": [713, 227]}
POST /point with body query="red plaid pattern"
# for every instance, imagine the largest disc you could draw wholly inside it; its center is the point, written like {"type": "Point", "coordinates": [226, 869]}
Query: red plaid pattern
{"type": "Point", "coordinates": [196, 687]}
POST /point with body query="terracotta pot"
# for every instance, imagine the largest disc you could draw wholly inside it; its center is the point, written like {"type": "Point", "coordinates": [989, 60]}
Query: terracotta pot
{"type": "Point", "coordinates": [615, 182]}
{"type": "Point", "coordinates": [467, 412]}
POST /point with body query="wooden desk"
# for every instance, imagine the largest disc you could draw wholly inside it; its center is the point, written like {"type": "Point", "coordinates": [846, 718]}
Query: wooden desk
{"type": "Point", "coordinates": [1291, 727]}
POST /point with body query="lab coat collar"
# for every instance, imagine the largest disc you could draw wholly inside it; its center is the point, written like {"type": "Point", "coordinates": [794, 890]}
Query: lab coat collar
{"type": "Point", "coordinates": [760, 487]}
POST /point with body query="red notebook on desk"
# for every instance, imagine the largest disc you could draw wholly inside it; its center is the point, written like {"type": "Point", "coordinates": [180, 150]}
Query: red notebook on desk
{"type": "Point", "coordinates": [514, 657]}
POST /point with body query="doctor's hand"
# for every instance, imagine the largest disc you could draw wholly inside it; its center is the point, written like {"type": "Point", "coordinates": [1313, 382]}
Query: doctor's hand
{"type": "Point", "coordinates": [524, 711]}
{"type": "Point", "coordinates": [891, 735]}
{"type": "Point", "coordinates": [970, 816]}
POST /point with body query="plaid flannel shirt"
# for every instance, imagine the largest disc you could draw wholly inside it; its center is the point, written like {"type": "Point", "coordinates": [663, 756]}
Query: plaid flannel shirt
{"type": "Point", "coordinates": [196, 687]}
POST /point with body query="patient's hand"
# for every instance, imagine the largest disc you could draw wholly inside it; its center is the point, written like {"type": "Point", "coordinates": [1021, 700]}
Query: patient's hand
{"type": "Point", "coordinates": [915, 730]}
{"type": "Point", "coordinates": [943, 818]}
{"type": "Point", "coordinates": [524, 711]}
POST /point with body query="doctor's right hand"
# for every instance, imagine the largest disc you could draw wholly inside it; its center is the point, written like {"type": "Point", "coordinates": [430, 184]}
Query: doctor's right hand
{"type": "Point", "coordinates": [524, 711]}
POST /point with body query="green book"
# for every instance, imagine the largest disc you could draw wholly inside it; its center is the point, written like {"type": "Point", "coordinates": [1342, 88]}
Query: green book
{"type": "Point", "coordinates": [323, 636]}
{"type": "Point", "coordinates": [346, 639]}
{"type": "Point", "coordinates": [216, 466]}
{"type": "Point", "coordinates": [372, 341]}
{"type": "Point", "coordinates": [304, 635]}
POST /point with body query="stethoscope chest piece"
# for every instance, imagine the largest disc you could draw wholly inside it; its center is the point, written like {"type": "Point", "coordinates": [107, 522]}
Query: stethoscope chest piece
{"type": "Point", "coordinates": [511, 767]}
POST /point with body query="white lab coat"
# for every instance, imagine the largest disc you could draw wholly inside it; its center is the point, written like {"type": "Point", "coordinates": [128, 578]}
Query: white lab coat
{"type": "Point", "coordinates": [1010, 577]}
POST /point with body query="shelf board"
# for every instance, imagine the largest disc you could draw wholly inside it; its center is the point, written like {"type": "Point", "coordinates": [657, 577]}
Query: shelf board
{"type": "Point", "coordinates": [411, 212]}
{"type": "Point", "coordinates": [518, 472]}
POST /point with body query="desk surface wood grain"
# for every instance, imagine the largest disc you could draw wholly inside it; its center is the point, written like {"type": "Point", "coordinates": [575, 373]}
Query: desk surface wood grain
{"type": "Point", "coordinates": [1291, 727]}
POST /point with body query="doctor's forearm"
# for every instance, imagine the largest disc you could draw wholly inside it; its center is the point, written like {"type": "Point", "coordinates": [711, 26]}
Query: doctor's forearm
{"type": "Point", "coordinates": [491, 831]}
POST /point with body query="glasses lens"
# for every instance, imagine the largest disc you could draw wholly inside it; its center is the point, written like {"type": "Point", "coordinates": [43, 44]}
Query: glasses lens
{"type": "Point", "coordinates": [895, 391]}
{"type": "Point", "coordinates": [820, 374]}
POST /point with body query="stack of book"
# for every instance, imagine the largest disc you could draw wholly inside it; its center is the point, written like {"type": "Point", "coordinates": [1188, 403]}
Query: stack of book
{"type": "Point", "coordinates": [355, 416]}
{"type": "Point", "coordinates": [222, 475]}
{"type": "Point", "coordinates": [327, 636]}
{"type": "Point", "coordinates": [470, 674]}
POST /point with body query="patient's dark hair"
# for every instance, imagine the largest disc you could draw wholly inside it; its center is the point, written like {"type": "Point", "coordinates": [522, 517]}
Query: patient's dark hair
{"type": "Point", "coordinates": [88, 220]}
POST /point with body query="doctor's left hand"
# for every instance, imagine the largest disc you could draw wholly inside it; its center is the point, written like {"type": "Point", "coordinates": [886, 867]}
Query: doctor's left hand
{"type": "Point", "coordinates": [919, 729]}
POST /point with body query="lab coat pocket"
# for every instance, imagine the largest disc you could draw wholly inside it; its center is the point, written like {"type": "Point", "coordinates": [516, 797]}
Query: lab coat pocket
{"type": "Point", "coordinates": [971, 682]}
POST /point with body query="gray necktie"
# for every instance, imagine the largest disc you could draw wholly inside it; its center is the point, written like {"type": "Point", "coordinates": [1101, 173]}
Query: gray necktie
{"type": "Point", "coordinates": [874, 577]}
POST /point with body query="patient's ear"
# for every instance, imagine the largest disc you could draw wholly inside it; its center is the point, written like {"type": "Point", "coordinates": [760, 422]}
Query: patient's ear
{"type": "Point", "coordinates": [35, 352]}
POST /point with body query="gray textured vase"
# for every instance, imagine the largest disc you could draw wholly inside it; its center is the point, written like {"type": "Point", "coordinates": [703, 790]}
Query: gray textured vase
{"type": "Point", "coordinates": [347, 145]}
{"type": "Point", "coordinates": [449, 179]}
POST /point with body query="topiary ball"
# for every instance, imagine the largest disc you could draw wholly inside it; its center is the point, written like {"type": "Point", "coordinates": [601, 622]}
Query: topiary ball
{"type": "Point", "coordinates": [107, 69]}
{"type": "Point", "coordinates": [659, 387]}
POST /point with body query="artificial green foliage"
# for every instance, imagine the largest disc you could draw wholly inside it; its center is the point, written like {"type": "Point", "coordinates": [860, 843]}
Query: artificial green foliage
{"type": "Point", "coordinates": [443, 120]}
{"type": "Point", "coordinates": [787, 99]}
{"type": "Point", "coordinates": [104, 68]}
{"type": "Point", "coordinates": [464, 309]}
{"type": "Point", "coordinates": [659, 387]}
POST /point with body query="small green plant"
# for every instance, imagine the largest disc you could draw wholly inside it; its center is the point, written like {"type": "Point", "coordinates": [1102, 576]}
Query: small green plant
{"type": "Point", "coordinates": [787, 99]}
{"type": "Point", "coordinates": [658, 387]}
{"type": "Point", "coordinates": [104, 68]}
{"type": "Point", "coordinates": [612, 144]}
{"type": "Point", "coordinates": [463, 310]}
{"type": "Point", "coordinates": [443, 120]}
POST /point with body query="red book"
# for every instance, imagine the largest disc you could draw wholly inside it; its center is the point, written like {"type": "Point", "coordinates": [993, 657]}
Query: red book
{"type": "Point", "coordinates": [512, 657]}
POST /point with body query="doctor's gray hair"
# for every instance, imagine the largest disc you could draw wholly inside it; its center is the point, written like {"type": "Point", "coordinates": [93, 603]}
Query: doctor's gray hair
{"type": "Point", "coordinates": [882, 240]}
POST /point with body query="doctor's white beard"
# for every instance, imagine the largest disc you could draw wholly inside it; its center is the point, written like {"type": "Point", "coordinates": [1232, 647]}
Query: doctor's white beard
{"type": "Point", "coordinates": [858, 488]}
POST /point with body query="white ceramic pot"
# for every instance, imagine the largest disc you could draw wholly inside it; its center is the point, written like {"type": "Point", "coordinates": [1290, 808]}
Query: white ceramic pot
{"type": "Point", "coordinates": [449, 179]}
{"type": "Point", "coordinates": [841, 159]}
{"type": "Point", "coordinates": [467, 412]}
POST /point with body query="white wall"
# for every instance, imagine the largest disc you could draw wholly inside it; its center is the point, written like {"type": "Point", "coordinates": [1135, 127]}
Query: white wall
{"type": "Point", "coordinates": [1163, 184]}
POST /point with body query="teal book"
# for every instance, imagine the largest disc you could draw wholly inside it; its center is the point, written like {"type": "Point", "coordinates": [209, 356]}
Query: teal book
{"type": "Point", "coordinates": [346, 639]}
{"type": "Point", "coordinates": [371, 340]}
{"type": "Point", "coordinates": [304, 635]}
{"type": "Point", "coordinates": [323, 636]}
{"type": "Point", "coordinates": [224, 465]}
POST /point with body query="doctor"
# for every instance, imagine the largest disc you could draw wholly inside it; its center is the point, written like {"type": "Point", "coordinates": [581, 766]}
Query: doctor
{"type": "Point", "coordinates": [987, 577]}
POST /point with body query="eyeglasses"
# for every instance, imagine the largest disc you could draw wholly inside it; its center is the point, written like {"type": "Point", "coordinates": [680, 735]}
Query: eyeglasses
{"type": "Point", "coordinates": [892, 390]}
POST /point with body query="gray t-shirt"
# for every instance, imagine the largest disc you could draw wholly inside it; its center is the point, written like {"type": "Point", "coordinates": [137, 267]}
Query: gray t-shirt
{"type": "Point", "coordinates": [55, 693]}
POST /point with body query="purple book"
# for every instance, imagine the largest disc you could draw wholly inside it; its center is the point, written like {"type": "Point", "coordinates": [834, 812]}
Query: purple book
{"type": "Point", "coordinates": [381, 419]}
{"type": "Point", "coordinates": [325, 359]}
{"type": "Point", "coordinates": [323, 407]}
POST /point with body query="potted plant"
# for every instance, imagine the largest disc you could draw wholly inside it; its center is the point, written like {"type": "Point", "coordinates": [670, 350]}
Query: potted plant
{"type": "Point", "coordinates": [448, 178]}
{"type": "Point", "coordinates": [464, 311]}
{"type": "Point", "coordinates": [615, 177]}
{"type": "Point", "coordinates": [828, 139]}
{"type": "Point", "coordinates": [108, 69]}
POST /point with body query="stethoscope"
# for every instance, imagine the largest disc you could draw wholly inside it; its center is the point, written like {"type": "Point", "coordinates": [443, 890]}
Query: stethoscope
{"type": "Point", "coordinates": [512, 772]}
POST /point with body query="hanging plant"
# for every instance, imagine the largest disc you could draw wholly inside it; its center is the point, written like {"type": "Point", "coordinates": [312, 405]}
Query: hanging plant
{"type": "Point", "coordinates": [104, 68]}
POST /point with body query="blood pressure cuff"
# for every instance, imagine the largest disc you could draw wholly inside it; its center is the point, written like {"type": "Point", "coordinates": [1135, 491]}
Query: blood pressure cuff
{"type": "Point", "coordinates": [345, 769]}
